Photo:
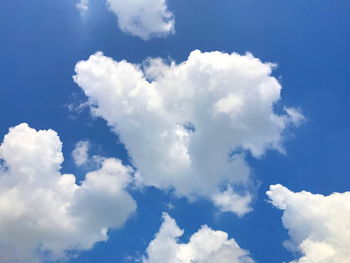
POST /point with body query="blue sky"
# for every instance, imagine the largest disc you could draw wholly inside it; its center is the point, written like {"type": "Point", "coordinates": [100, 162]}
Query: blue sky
{"type": "Point", "coordinates": [42, 41]}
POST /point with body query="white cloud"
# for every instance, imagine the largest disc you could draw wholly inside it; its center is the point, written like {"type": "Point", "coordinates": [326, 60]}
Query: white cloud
{"type": "Point", "coordinates": [143, 18]}
{"type": "Point", "coordinates": [204, 246]}
{"type": "Point", "coordinates": [83, 6]}
{"type": "Point", "coordinates": [296, 115]}
{"type": "Point", "coordinates": [229, 201]}
{"type": "Point", "coordinates": [42, 210]}
{"type": "Point", "coordinates": [188, 126]}
{"type": "Point", "coordinates": [80, 153]}
{"type": "Point", "coordinates": [318, 225]}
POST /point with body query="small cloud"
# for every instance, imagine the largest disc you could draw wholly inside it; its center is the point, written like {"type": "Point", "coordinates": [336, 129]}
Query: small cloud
{"type": "Point", "coordinates": [170, 206]}
{"type": "Point", "coordinates": [83, 6]}
{"type": "Point", "coordinates": [81, 157]}
{"type": "Point", "coordinates": [80, 153]}
{"type": "Point", "coordinates": [206, 245]}
{"type": "Point", "coordinates": [295, 115]}
{"type": "Point", "coordinates": [145, 19]}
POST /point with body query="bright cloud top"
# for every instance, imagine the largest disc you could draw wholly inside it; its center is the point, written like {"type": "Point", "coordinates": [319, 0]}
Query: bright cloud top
{"type": "Point", "coordinates": [319, 226]}
{"type": "Point", "coordinates": [187, 126]}
{"type": "Point", "coordinates": [143, 18]}
{"type": "Point", "coordinates": [204, 246]}
{"type": "Point", "coordinates": [43, 210]}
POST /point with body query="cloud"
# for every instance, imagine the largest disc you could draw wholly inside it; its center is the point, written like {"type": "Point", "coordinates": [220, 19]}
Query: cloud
{"type": "Point", "coordinates": [204, 246]}
{"type": "Point", "coordinates": [83, 6]}
{"type": "Point", "coordinates": [318, 225]}
{"type": "Point", "coordinates": [229, 201]}
{"type": "Point", "coordinates": [80, 153]}
{"type": "Point", "coordinates": [187, 127]}
{"type": "Point", "coordinates": [143, 18]}
{"type": "Point", "coordinates": [296, 116]}
{"type": "Point", "coordinates": [45, 214]}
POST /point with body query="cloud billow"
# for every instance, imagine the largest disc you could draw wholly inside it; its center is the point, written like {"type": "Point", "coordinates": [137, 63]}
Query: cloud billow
{"type": "Point", "coordinates": [204, 246]}
{"type": "Point", "coordinates": [318, 225]}
{"type": "Point", "coordinates": [188, 126]}
{"type": "Point", "coordinates": [46, 215]}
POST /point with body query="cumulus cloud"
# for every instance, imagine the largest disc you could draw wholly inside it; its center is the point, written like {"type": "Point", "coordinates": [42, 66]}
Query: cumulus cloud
{"type": "Point", "coordinates": [143, 18]}
{"type": "Point", "coordinates": [204, 246]}
{"type": "Point", "coordinates": [45, 214]}
{"type": "Point", "coordinates": [318, 225]}
{"type": "Point", "coordinates": [187, 127]}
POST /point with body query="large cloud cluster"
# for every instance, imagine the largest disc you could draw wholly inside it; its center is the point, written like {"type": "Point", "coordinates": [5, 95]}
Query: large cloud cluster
{"type": "Point", "coordinates": [318, 225]}
{"type": "Point", "coordinates": [45, 214]}
{"type": "Point", "coordinates": [204, 246]}
{"type": "Point", "coordinates": [188, 126]}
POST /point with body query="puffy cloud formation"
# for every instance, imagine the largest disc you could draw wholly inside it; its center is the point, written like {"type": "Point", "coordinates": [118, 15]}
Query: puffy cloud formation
{"type": "Point", "coordinates": [188, 126]}
{"type": "Point", "coordinates": [45, 214]}
{"type": "Point", "coordinates": [143, 18]}
{"type": "Point", "coordinates": [318, 225]}
{"type": "Point", "coordinates": [204, 246]}
{"type": "Point", "coordinates": [80, 153]}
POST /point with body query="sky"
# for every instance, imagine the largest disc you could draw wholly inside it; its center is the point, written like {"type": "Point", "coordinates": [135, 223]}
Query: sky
{"type": "Point", "coordinates": [174, 131]}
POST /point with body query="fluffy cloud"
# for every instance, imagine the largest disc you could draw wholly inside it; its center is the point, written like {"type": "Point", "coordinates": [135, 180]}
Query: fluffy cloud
{"type": "Point", "coordinates": [188, 126]}
{"type": "Point", "coordinates": [318, 225]}
{"type": "Point", "coordinates": [43, 213]}
{"type": "Point", "coordinates": [143, 18]}
{"type": "Point", "coordinates": [204, 246]}
{"type": "Point", "coordinates": [80, 153]}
